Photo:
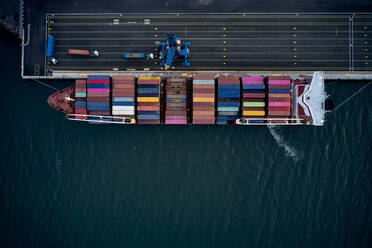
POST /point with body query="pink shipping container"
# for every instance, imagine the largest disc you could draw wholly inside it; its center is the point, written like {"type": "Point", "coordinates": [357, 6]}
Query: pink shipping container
{"type": "Point", "coordinates": [101, 90]}
{"type": "Point", "coordinates": [180, 122]}
{"type": "Point", "coordinates": [279, 104]}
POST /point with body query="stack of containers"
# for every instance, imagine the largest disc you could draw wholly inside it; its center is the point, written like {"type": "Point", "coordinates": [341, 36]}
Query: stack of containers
{"type": "Point", "coordinates": [123, 97]}
{"type": "Point", "coordinates": [203, 100]}
{"type": "Point", "coordinates": [148, 99]}
{"type": "Point", "coordinates": [176, 101]}
{"type": "Point", "coordinates": [81, 98]}
{"type": "Point", "coordinates": [279, 97]}
{"type": "Point", "coordinates": [253, 98]}
{"type": "Point", "coordinates": [98, 95]}
{"type": "Point", "coordinates": [228, 99]}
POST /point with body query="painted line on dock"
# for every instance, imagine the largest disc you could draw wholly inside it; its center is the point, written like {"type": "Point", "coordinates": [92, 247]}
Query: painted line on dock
{"type": "Point", "coordinates": [166, 15]}
{"type": "Point", "coordinates": [228, 46]}
{"type": "Point", "coordinates": [200, 31]}
{"type": "Point", "coordinates": [323, 68]}
{"type": "Point", "coordinates": [209, 38]}
{"type": "Point", "coordinates": [214, 60]}
{"type": "Point", "coordinates": [228, 53]}
{"type": "Point", "coordinates": [66, 24]}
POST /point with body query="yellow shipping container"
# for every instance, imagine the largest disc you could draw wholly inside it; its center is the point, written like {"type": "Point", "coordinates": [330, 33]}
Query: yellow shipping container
{"type": "Point", "coordinates": [203, 99]}
{"type": "Point", "coordinates": [254, 113]}
{"type": "Point", "coordinates": [147, 99]}
{"type": "Point", "coordinates": [148, 78]}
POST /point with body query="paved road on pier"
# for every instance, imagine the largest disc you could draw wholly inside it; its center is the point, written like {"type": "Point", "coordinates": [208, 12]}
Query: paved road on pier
{"type": "Point", "coordinates": [218, 41]}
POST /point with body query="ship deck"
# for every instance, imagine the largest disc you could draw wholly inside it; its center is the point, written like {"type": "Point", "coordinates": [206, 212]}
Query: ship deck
{"type": "Point", "coordinates": [226, 42]}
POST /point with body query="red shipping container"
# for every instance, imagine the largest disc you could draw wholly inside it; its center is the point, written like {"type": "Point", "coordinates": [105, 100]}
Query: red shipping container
{"type": "Point", "coordinates": [98, 81]}
{"type": "Point", "coordinates": [148, 121]}
{"type": "Point", "coordinates": [154, 82]}
{"type": "Point", "coordinates": [202, 108]}
{"type": "Point", "coordinates": [209, 104]}
{"type": "Point", "coordinates": [203, 77]}
{"type": "Point", "coordinates": [253, 109]}
{"type": "Point", "coordinates": [203, 86]}
{"type": "Point", "coordinates": [279, 108]}
{"type": "Point", "coordinates": [99, 112]}
{"type": "Point", "coordinates": [279, 86]}
{"type": "Point", "coordinates": [229, 82]}
{"type": "Point", "coordinates": [228, 78]}
{"type": "Point", "coordinates": [175, 112]}
{"type": "Point", "coordinates": [279, 99]}
{"type": "Point", "coordinates": [149, 108]}
{"type": "Point", "coordinates": [254, 95]}
{"type": "Point", "coordinates": [253, 100]}
{"type": "Point", "coordinates": [279, 78]}
{"type": "Point", "coordinates": [98, 99]}
{"type": "Point", "coordinates": [148, 104]}
{"type": "Point", "coordinates": [279, 113]}
{"type": "Point", "coordinates": [123, 77]}
{"type": "Point", "coordinates": [205, 122]}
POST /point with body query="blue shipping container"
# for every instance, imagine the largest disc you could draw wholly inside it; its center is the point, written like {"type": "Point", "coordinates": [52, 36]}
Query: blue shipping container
{"type": "Point", "coordinates": [50, 46]}
{"type": "Point", "coordinates": [184, 100]}
{"type": "Point", "coordinates": [148, 95]}
{"type": "Point", "coordinates": [98, 103]}
{"type": "Point", "coordinates": [254, 86]}
{"type": "Point", "coordinates": [98, 77]}
{"type": "Point", "coordinates": [98, 107]}
{"type": "Point", "coordinates": [229, 94]}
{"type": "Point", "coordinates": [147, 117]}
{"type": "Point", "coordinates": [283, 91]}
{"type": "Point", "coordinates": [148, 90]}
{"type": "Point", "coordinates": [253, 91]}
{"type": "Point", "coordinates": [229, 86]}
{"type": "Point", "coordinates": [98, 86]}
{"type": "Point", "coordinates": [148, 112]}
{"type": "Point", "coordinates": [228, 104]}
{"type": "Point", "coordinates": [80, 103]}
{"type": "Point", "coordinates": [123, 99]}
{"type": "Point", "coordinates": [122, 103]}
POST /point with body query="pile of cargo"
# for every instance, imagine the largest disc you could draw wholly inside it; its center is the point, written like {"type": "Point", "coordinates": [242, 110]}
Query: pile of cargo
{"type": "Point", "coordinates": [203, 100]}
{"type": "Point", "coordinates": [176, 101]}
{"type": "Point", "coordinates": [228, 99]}
{"type": "Point", "coordinates": [148, 99]}
{"type": "Point", "coordinates": [279, 98]}
{"type": "Point", "coordinates": [123, 94]}
{"type": "Point", "coordinates": [253, 98]}
{"type": "Point", "coordinates": [98, 101]}
{"type": "Point", "coordinates": [81, 98]}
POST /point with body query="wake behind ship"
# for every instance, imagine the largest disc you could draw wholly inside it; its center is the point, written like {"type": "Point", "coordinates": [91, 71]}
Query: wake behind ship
{"type": "Point", "coordinates": [195, 99]}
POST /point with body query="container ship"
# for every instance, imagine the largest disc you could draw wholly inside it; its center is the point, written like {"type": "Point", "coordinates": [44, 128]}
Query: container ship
{"type": "Point", "coordinates": [229, 99]}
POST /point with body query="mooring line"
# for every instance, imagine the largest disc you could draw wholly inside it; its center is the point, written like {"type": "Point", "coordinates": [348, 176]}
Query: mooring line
{"type": "Point", "coordinates": [349, 98]}
{"type": "Point", "coordinates": [47, 85]}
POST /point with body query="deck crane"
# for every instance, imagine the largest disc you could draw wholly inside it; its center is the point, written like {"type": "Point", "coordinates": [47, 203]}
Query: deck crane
{"type": "Point", "coordinates": [172, 48]}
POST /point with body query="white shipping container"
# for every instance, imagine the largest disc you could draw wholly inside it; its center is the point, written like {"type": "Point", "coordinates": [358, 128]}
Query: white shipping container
{"type": "Point", "coordinates": [123, 108]}
{"type": "Point", "coordinates": [121, 112]}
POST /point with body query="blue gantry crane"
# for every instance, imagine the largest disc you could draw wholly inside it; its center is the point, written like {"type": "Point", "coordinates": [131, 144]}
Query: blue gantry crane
{"type": "Point", "coordinates": [173, 48]}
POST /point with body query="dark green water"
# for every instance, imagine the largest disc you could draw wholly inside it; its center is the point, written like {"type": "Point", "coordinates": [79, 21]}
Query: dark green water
{"type": "Point", "coordinates": [70, 184]}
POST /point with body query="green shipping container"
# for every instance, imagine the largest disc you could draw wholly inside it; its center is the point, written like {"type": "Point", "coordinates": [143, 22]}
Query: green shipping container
{"type": "Point", "coordinates": [228, 109]}
{"type": "Point", "coordinates": [253, 104]}
{"type": "Point", "coordinates": [80, 94]}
